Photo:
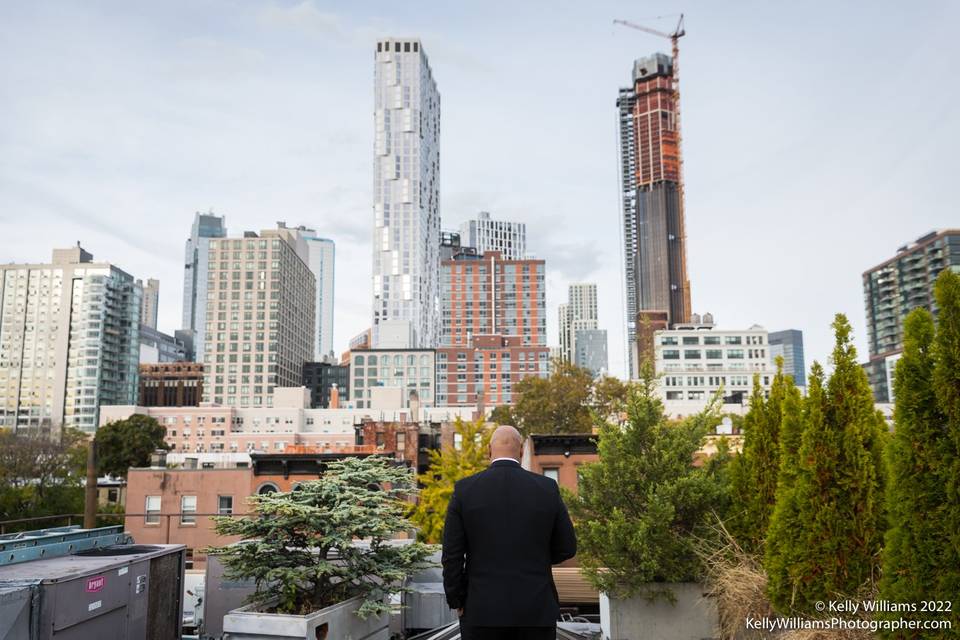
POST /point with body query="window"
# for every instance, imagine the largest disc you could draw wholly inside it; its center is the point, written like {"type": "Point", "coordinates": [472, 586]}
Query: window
{"type": "Point", "coordinates": [735, 353]}
{"type": "Point", "coordinates": [671, 354]}
{"type": "Point", "coordinates": [188, 509]}
{"type": "Point", "coordinates": [152, 509]}
{"type": "Point", "coordinates": [711, 339]}
{"type": "Point", "coordinates": [691, 339]}
{"type": "Point", "coordinates": [733, 340]}
{"type": "Point", "coordinates": [691, 354]}
{"type": "Point", "coordinates": [714, 354]}
{"type": "Point", "coordinates": [267, 487]}
{"type": "Point", "coordinates": [668, 340]}
{"type": "Point", "coordinates": [225, 505]}
{"type": "Point", "coordinates": [553, 473]}
{"type": "Point", "coordinates": [188, 559]}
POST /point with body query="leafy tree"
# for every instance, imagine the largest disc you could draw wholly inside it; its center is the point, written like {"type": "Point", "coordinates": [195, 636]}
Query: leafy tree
{"type": "Point", "coordinates": [754, 472]}
{"type": "Point", "coordinates": [609, 398]}
{"type": "Point", "coordinates": [641, 507]}
{"type": "Point", "coordinates": [285, 548]}
{"type": "Point", "coordinates": [40, 476]}
{"type": "Point", "coordinates": [914, 554]}
{"type": "Point", "coordinates": [946, 380]}
{"type": "Point", "coordinates": [502, 414]}
{"type": "Point", "coordinates": [557, 404]}
{"type": "Point", "coordinates": [446, 467]}
{"type": "Point", "coordinates": [128, 443]}
{"type": "Point", "coordinates": [838, 491]}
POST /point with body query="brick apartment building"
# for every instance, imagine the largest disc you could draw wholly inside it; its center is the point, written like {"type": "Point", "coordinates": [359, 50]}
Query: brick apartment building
{"type": "Point", "coordinates": [485, 370]}
{"type": "Point", "coordinates": [487, 295]}
{"type": "Point", "coordinates": [171, 384]}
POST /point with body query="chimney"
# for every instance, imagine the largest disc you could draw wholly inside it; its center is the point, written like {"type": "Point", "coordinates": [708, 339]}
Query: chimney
{"type": "Point", "coordinates": [334, 397]}
{"type": "Point", "coordinates": [414, 407]}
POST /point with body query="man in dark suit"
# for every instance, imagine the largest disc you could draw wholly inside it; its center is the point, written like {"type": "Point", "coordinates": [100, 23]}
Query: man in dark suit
{"type": "Point", "coordinates": [504, 529]}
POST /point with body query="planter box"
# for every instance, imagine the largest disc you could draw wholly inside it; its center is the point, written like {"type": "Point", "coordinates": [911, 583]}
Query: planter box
{"type": "Point", "coordinates": [337, 622]}
{"type": "Point", "coordinates": [692, 617]}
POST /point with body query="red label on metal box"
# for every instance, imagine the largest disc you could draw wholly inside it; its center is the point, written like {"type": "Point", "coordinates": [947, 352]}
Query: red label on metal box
{"type": "Point", "coordinates": [95, 584]}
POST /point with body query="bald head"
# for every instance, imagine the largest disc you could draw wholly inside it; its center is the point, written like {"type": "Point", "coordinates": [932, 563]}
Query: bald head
{"type": "Point", "coordinates": [506, 443]}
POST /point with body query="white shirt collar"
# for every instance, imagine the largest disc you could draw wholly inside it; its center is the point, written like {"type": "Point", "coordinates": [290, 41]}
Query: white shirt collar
{"type": "Point", "coordinates": [510, 459]}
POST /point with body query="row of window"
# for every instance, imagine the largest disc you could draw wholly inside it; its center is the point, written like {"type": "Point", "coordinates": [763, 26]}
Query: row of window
{"type": "Point", "coordinates": [188, 509]}
{"type": "Point", "coordinates": [714, 354]}
{"type": "Point", "coordinates": [690, 340]}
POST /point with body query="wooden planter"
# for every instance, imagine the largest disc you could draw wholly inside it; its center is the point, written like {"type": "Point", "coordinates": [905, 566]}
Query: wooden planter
{"type": "Point", "coordinates": [336, 622]}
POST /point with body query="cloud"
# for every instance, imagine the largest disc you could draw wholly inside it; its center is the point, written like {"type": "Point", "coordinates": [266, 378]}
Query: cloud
{"type": "Point", "coordinates": [304, 17]}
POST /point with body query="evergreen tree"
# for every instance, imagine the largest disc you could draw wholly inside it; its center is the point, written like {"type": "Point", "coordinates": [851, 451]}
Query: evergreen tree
{"type": "Point", "coordinates": [914, 555]}
{"type": "Point", "coordinates": [640, 508]}
{"type": "Point", "coordinates": [946, 380]}
{"type": "Point", "coordinates": [286, 546]}
{"type": "Point", "coordinates": [834, 549]}
{"type": "Point", "coordinates": [754, 472]}
{"type": "Point", "coordinates": [779, 553]}
{"type": "Point", "coordinates": [446, 467]}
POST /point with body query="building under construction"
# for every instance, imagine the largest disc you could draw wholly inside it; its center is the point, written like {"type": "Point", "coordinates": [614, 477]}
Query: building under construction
{"type": "Point", "coordinates": [655, 260]}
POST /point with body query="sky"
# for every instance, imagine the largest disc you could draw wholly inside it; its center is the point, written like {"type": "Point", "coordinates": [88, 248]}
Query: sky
{"type": "Point", "coordinates": [818, 138]}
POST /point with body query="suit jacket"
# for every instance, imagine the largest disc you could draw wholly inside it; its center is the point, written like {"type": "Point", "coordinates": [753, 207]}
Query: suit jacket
{"type": "Point", "coordinates": [505, 527]}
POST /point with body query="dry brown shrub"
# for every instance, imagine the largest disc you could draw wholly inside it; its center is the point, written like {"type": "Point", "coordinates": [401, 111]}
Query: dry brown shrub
{"type": "Point", "coordinates": [738, 583]}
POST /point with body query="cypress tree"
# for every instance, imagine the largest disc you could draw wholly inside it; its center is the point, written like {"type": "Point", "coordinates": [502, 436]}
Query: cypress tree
{"type": "Point", "coordinates": [946, 379]}
{"type": "Point", "coordinates": [838, 491]}
{"type": "Point", "coordinates": [780, 548]}
{"type": "Point", "coordinates": [914, 552]}
{"type": "Point", "coordinates": [754, 472]}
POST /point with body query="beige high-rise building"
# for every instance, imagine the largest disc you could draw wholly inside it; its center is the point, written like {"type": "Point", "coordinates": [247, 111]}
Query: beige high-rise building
{"type": "Point", "coordinates": [69, 342]}
{"type": "Point", "coordinates": [151, 302]}
{"type": "Point", "coordinates": [579, 313]}
{"type": "Point", "coordinates": [259, 317]}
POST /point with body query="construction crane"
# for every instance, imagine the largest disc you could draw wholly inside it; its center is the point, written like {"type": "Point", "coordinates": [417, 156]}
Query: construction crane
{"type": "Point", "coordinates": [674, 39]}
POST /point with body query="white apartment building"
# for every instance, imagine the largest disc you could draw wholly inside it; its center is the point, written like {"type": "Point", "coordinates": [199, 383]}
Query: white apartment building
{"type": "Point", "coordinates": [694, 361]}
{"type": "Point", "coordinates": [259, 317]}
{"type": "Point", "coordinates": [406, 191]}
{"type": "Point", "coordinates": [407, 370]}
{"type": "Point", "coordinates": [289, 421]}
{"type": "Point", "coordinates": [485, 234]}
{"type": "Point", "coordinates": [69, 342]}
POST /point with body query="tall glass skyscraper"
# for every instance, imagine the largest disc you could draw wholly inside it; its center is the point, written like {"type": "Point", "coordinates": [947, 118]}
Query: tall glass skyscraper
{"type": "Point", "coordinates": [69, 342]}
{"type": "Point", "coordinates": [406, 192]}
{"type": "Point", "coordinates": [195, 272]}
{"type": "Point", "coordinates": [894, 288]}
{"type": "Point", "coordinates": [788, 344]}
{"type": "Point", "coordinates": [321, 254]}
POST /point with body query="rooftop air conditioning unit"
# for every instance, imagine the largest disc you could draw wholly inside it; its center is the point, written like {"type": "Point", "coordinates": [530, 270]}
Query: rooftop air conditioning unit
{"type": "Point", "coordinates": [123, 591]}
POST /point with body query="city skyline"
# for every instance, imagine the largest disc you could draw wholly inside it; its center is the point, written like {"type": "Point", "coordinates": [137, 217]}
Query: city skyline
{"type": "Point", "coordinates": [119, 151]}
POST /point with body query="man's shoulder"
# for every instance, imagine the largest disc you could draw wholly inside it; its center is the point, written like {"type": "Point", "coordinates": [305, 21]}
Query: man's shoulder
{"type": "Point", "coordinates": [464, 483]}
{"type": "Point", "coordinates": [485, 474]}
